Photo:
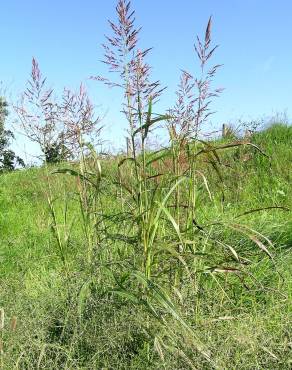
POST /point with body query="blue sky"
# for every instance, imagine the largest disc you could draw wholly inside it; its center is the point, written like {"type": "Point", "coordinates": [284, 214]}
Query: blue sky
{"type": "Point", "coordinates": [65, 37]}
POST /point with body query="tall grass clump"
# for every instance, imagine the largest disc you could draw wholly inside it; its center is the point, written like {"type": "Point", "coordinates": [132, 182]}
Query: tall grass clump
{"type": "Point", "coordinates": [170, 242]}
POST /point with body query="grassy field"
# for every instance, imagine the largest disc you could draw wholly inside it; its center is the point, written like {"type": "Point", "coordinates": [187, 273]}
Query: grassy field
{"type": "Point", "coordinates": [80, 291]}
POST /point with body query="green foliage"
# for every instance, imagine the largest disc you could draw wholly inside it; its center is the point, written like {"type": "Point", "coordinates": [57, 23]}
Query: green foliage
{"type": "Point", "coordinates": [8, 159]}
{"type": "Point", "coordinates": [76, 282]}
{"type": "Point", "coordinates": [56, 152]}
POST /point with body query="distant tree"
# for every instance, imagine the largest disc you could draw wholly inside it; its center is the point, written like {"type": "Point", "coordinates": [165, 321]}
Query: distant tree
{"type": "Point", "coordinates": [8, 159]}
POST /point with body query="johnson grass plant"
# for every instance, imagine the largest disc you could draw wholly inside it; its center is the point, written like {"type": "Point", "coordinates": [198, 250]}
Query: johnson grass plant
{"type": "Point", "coordinates": [176, 258]}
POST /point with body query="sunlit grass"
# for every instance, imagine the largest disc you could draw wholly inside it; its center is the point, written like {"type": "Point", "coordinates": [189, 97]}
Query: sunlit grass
{"type": "Point", "coordinates": [106, 313]}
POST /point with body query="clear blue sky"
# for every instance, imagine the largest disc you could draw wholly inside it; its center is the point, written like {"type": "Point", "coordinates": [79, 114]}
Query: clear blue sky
{"type": "Point", "coordinates": [65, 37]}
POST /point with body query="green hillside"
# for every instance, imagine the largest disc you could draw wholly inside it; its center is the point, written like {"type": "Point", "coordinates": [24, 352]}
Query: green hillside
{"type": "Point", "coordinates": [77, 291]}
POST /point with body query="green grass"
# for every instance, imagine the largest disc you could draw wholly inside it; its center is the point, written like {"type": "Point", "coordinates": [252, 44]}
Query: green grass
{"type": "Point", "coordinates": [106, 315]}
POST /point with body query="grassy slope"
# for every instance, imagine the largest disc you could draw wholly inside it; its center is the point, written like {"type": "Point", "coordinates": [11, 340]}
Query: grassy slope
{"type": "Point", "coordinates": [255, 333]}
